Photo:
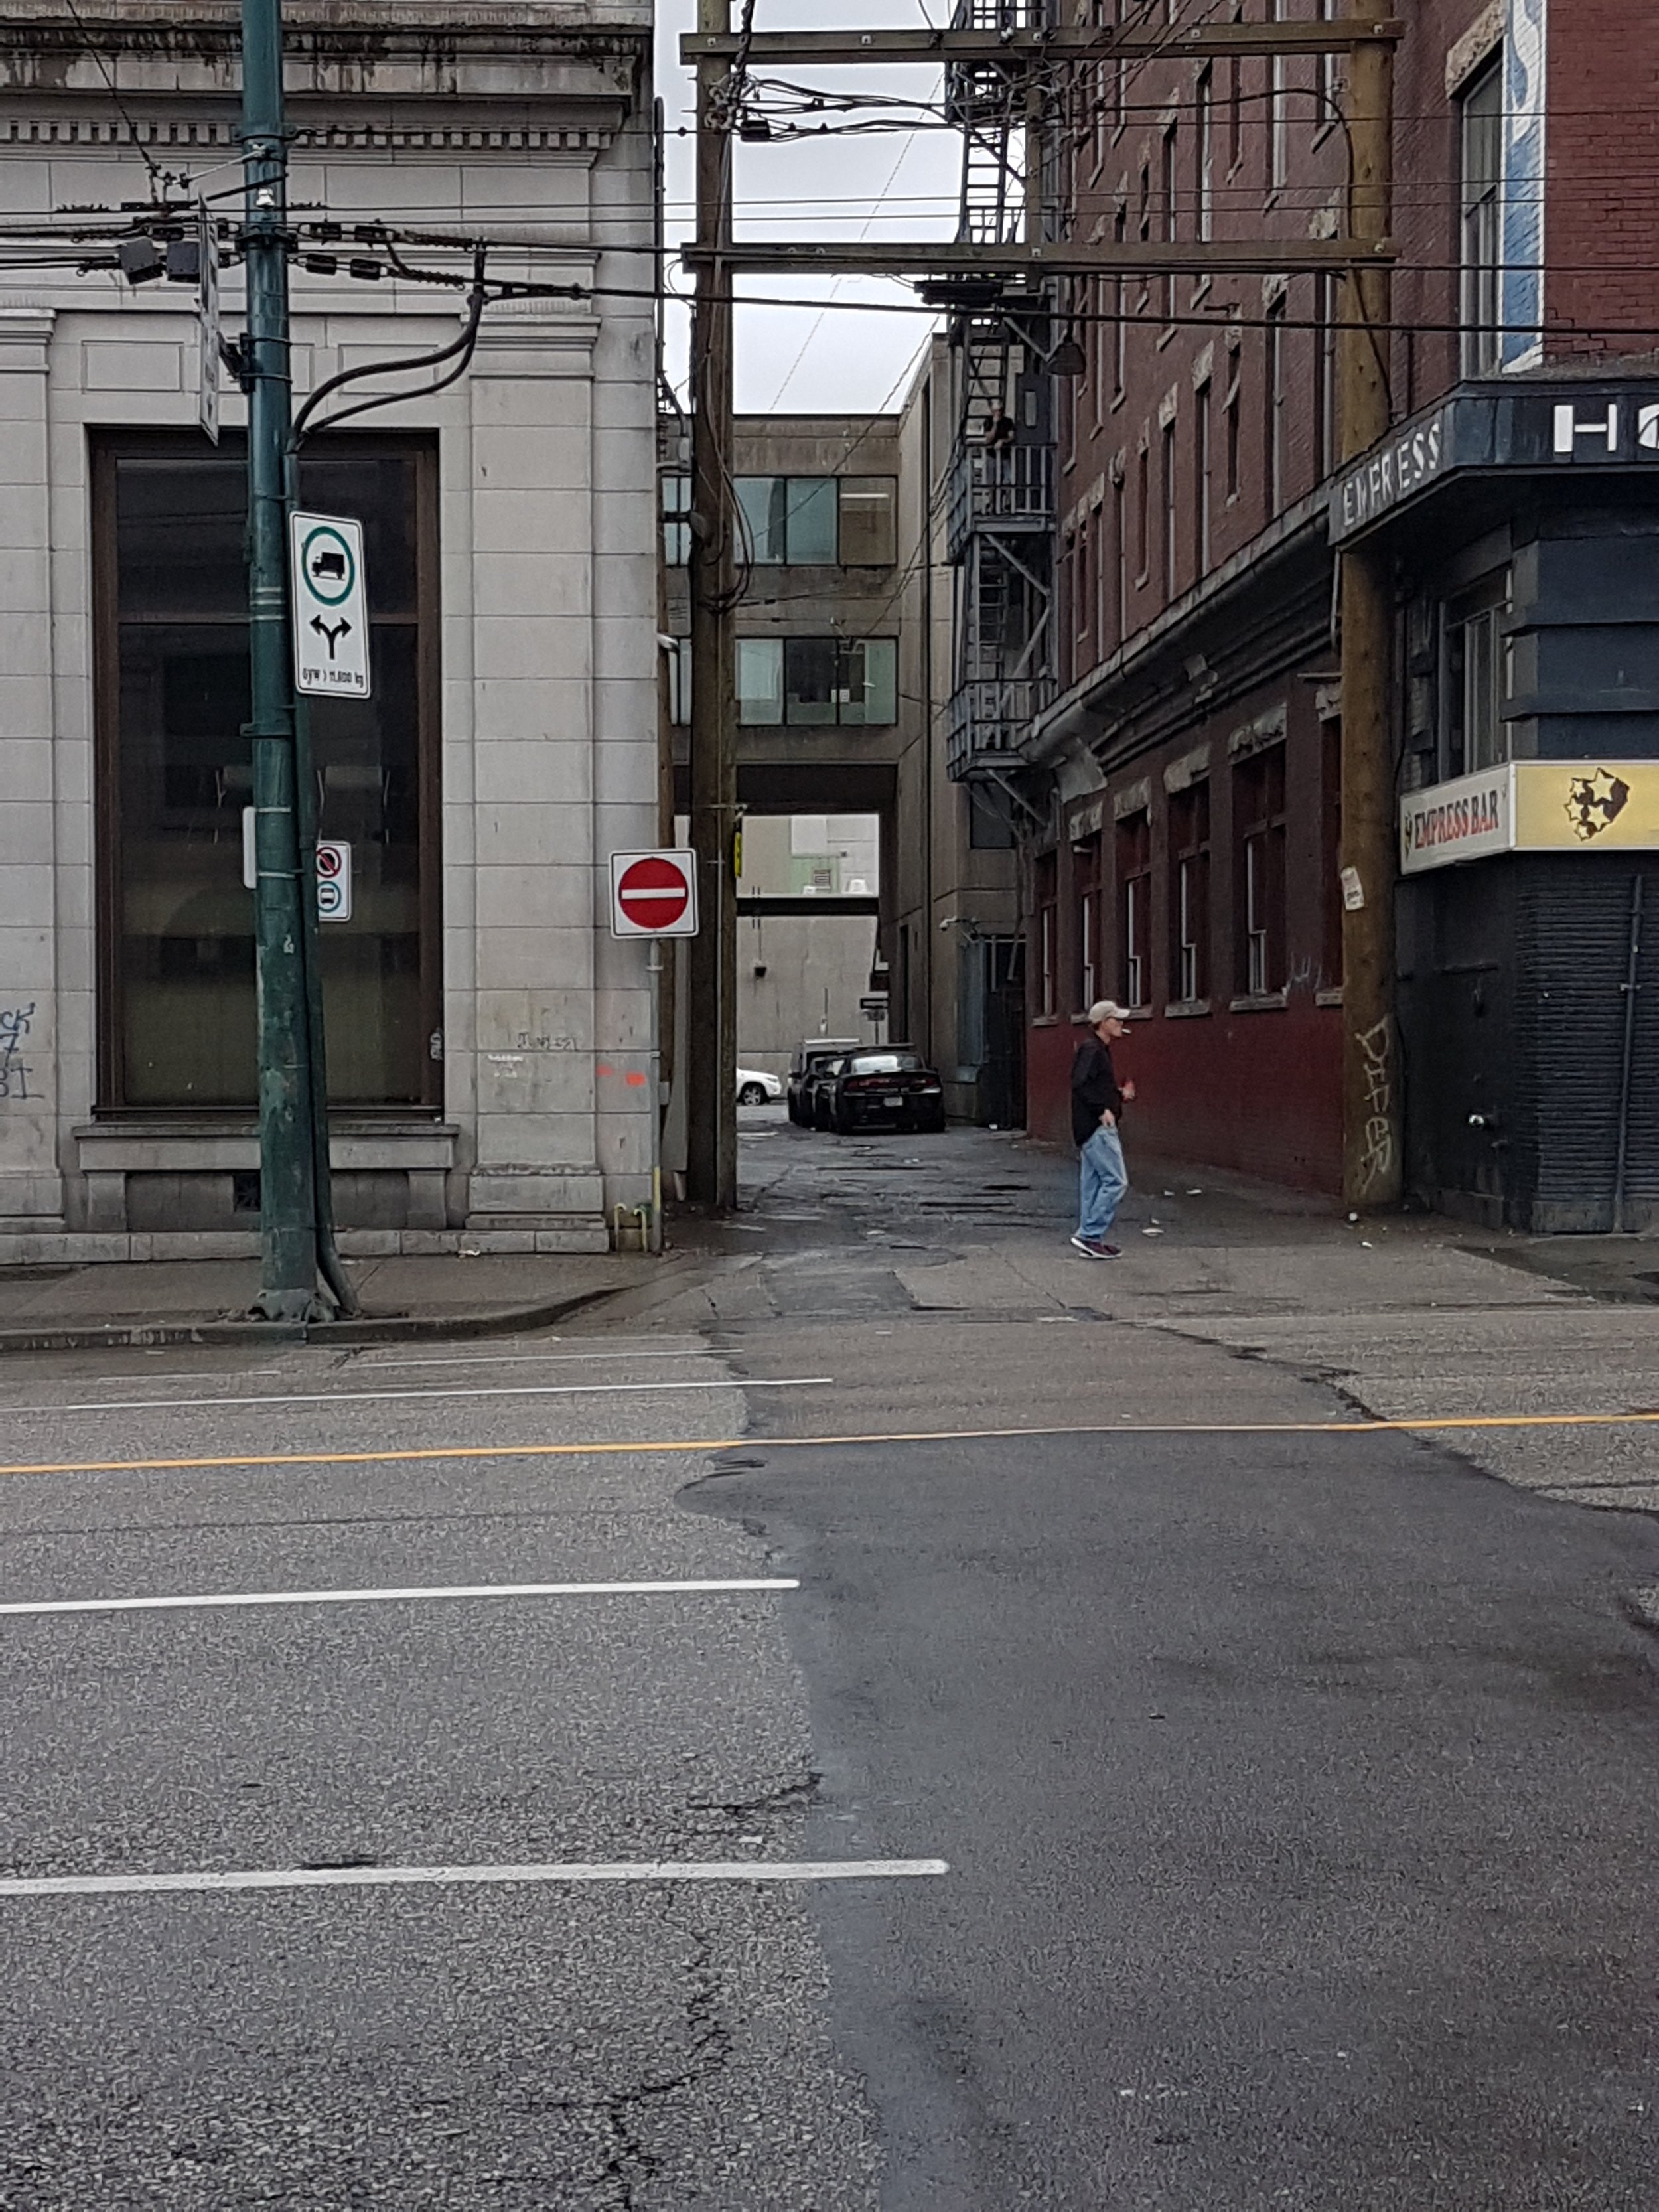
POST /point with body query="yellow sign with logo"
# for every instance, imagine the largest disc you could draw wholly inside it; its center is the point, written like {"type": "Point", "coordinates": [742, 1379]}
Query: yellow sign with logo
{"type": "Point", "coordinates": [1532, 806]}
{"type": "Point", "coordinates": [1586, 806]}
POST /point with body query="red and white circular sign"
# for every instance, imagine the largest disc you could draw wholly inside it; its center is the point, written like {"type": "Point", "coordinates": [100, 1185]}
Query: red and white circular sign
{"type": "Point", "coordinates": [654, 894]}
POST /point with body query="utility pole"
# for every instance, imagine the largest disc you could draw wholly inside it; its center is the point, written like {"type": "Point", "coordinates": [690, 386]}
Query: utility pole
{"type": "Point", "coordinates": [1372, 1130]}
{"type": "Point", "coordinates": [289, 1167]}
{"type": "Point", "coordinates": [712, 1157]}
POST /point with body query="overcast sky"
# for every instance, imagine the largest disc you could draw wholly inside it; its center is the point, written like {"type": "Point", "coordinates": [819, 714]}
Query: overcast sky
{"type": "Point", "coordinates": [795, 358]}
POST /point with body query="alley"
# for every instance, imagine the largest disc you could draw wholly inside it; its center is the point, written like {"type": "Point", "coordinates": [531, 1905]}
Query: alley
{"type": "Point", "coordinates": [565, 1775]}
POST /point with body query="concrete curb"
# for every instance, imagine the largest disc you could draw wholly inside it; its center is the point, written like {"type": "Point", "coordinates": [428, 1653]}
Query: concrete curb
{"type": "Point", "coordinates": [384, 1329]}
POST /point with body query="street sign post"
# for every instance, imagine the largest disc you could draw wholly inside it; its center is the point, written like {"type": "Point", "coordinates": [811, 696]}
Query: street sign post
{"type": "Point", "coordinates": [333, 871]}
{"type": "Point", "coordinates": [330, 606]}
{"type": "Point", "coordinates": [207, 313]}
{"type": "Point", "coordinates": [654, 894]}
{"type": "Point", "coordinates": [333, 879]}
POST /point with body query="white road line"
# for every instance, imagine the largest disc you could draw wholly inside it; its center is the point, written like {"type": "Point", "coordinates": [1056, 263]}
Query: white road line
{"type": "Point", "coordinates": [376, 1397]}
{"type": "Point", "coordinates": [488, 1359]}
{"type": "Point", "coordinates": [388, 1596]}
{"type": "Point", "coordinates": [395, 1877]}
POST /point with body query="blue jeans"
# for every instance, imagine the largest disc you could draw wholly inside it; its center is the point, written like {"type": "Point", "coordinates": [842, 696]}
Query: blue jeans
{"type": "Point", "coordinates": [1103, 1180]}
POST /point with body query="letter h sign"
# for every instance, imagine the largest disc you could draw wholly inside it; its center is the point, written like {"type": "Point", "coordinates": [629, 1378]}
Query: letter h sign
{"type": "Point", "coordinates": [1569, 429]}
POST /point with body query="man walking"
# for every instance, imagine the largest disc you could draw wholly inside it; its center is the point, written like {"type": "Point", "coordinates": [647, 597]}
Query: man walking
{"type": "Point", "coordinates": [1098, 1100]}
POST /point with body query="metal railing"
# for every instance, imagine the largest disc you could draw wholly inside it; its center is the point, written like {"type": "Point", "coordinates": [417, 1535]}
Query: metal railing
{"type": "Point", "coordinates": [1006, 487]}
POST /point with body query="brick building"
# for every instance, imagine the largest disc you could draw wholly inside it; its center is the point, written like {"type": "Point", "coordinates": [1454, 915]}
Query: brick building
{"type": "Point", "coordinates": [1181, 774]}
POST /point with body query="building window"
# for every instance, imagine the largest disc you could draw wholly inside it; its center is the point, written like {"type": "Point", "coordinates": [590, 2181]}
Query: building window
{"type": "Point", "coordinates": [1278, 110]}
{"type": "Point", "coordinates": [1168, 190]}
{"type": "Point", "coordinates": [1189, 891]}
{"type": "Point", "coordinates": [1273, 460]}
{"type": "Point", "coordinates": [1134, 908]}
{"type": "Point", "coordinates": [1204, 95]}
{"type": "Point", "coordinates": [176, 953]}
{"type": "Point", "coordinates": [1167, 474]}
{"type": "Point", "coordinates": [1086, 876]}
{"type": "Point", "coordinates": [1481, 251]}
{"type": "Point", "coordinates": [1120, 328]}
{"type": "Point", "coordinates": [1120, 565]}
{"type": "Point", "coordinates": [1234, 114]}
{"type": "Point", "coordinates": [1258, 871]}
{"type": "Point", "coordinates": [1203, 487]}
{"type": "Point", "coordinates": [812, 682]}
{"type": "Point", "coordinates": [1046, 915]}
{"type": "Point", "coordinates": [1477, 685]}
{"type": "Point", "coordinates": [1143, 513]}
{"type": "Point", "coordinates": [868, 514]}
{"type": "Point", "coordinates": [676, 529]}
{"type": "Point", "coordinates": [1230, 407]}
{"type": "Point", "coordinates": [823, 522]}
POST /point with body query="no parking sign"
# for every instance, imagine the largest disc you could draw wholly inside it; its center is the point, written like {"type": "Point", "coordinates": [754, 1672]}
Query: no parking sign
{"type": "Point", "coordinates": [333, 879]}
{"type": "Point", "coordinates": [333, 872]}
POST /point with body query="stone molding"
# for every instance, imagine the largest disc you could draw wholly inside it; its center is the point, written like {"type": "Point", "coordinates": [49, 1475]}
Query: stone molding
{"type": "Point", "coordinates": [95, 131]}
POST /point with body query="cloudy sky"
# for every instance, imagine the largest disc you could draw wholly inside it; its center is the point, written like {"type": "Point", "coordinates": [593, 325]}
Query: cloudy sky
{"type": "Point", "coordinates": [809, 358]}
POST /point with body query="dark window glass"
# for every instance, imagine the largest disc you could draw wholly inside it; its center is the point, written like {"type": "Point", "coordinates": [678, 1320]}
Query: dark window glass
{"type": "Point", "coordinates": [1135, 877]}
{"type": "Point", "coordinates": [1189, 893]}
{"type": "Point", "coordinates": [178, 962]}
{"type": "Point", "coordinates": [1258, 871]}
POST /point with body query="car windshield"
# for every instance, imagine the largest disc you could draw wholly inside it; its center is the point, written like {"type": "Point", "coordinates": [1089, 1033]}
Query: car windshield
{"type": "Point", "coordinates": [883, 1063]}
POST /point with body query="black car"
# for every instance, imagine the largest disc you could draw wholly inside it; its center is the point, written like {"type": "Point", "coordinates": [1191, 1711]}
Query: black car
{"type": "Point", "coordinates": [870, 1089]}
{"type": "Point", "coordinates": [811, 1059]}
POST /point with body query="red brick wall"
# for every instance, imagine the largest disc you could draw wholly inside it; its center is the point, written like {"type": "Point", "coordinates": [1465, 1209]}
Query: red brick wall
{"type": "Point", "coordinates": [1256, 1089]}
{"type": "Point", "coordinates": [1601, 149]}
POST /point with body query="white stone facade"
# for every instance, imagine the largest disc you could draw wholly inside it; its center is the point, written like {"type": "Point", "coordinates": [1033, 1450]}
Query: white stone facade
{"type": "Point", "coordinates": [532, 118]}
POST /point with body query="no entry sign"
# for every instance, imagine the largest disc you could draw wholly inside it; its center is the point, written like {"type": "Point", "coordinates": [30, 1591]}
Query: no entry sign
{"type": "Point", "coordinates": [654, 894]}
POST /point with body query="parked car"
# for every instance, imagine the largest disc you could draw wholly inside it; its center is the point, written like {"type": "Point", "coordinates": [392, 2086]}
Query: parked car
{"type": "Point", "coordinates": [815, 1090]}
{"type": "Point", "coordinates": [757, 1088]}
{"type": "Point", "coordinates": [868, 1089]}
{"type": "Point", "coordinates": [810, 1057]}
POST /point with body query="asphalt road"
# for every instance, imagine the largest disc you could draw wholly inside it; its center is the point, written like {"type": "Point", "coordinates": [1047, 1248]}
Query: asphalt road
{"type": "Point", "coordinates": [1115, 1816]}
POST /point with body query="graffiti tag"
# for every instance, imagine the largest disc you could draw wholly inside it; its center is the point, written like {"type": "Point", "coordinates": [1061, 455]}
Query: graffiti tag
{"type": "Point", "coordinates": [14, 1074]}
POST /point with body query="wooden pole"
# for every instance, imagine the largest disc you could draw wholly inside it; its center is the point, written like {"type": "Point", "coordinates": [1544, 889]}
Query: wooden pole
{"type": "Point", "coordinates": [712, 1157]}
{"type": "Point", "coordinates": [1372, 1148]}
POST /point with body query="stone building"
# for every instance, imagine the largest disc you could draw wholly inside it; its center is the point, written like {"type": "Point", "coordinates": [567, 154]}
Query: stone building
{"type": "Point", "coordinates": [491, 1047]}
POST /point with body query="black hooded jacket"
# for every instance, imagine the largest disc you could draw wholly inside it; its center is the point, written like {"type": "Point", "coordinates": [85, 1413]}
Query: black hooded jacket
{"type": "Point", "coordinates": [1094, 1088]}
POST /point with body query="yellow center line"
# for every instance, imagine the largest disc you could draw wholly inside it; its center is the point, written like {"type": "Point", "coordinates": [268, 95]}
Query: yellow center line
{"type": "Point", "coordinates": [408, 1456]}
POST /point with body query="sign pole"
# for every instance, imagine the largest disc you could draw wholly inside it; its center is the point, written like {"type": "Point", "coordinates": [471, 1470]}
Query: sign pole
{"type": "Point", "coordinates": [288, 1162]}
{"type": "Point", "coordinates": [1373, 1107]}
{"type": "Point", "coordinates": [711, 1054]}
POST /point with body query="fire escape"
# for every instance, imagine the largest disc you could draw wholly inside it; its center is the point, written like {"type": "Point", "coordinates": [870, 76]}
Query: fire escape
{"type": "Point", "coordinates": [1000, 530]}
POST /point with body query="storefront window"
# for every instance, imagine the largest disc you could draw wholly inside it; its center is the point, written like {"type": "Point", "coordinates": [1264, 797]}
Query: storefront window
{"type": "Point", "coordinates": [176, 946]}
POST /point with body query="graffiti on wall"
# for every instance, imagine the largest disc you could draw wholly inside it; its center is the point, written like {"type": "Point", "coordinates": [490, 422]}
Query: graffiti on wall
{"type": "Point", "coordinates": [15, 1022]}
{"type": "Point", "coordinates": [1377, 1155]}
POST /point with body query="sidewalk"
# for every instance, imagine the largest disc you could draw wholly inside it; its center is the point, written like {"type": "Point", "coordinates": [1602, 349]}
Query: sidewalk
{"type": "Point", "coordinates": [66, 1308]}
